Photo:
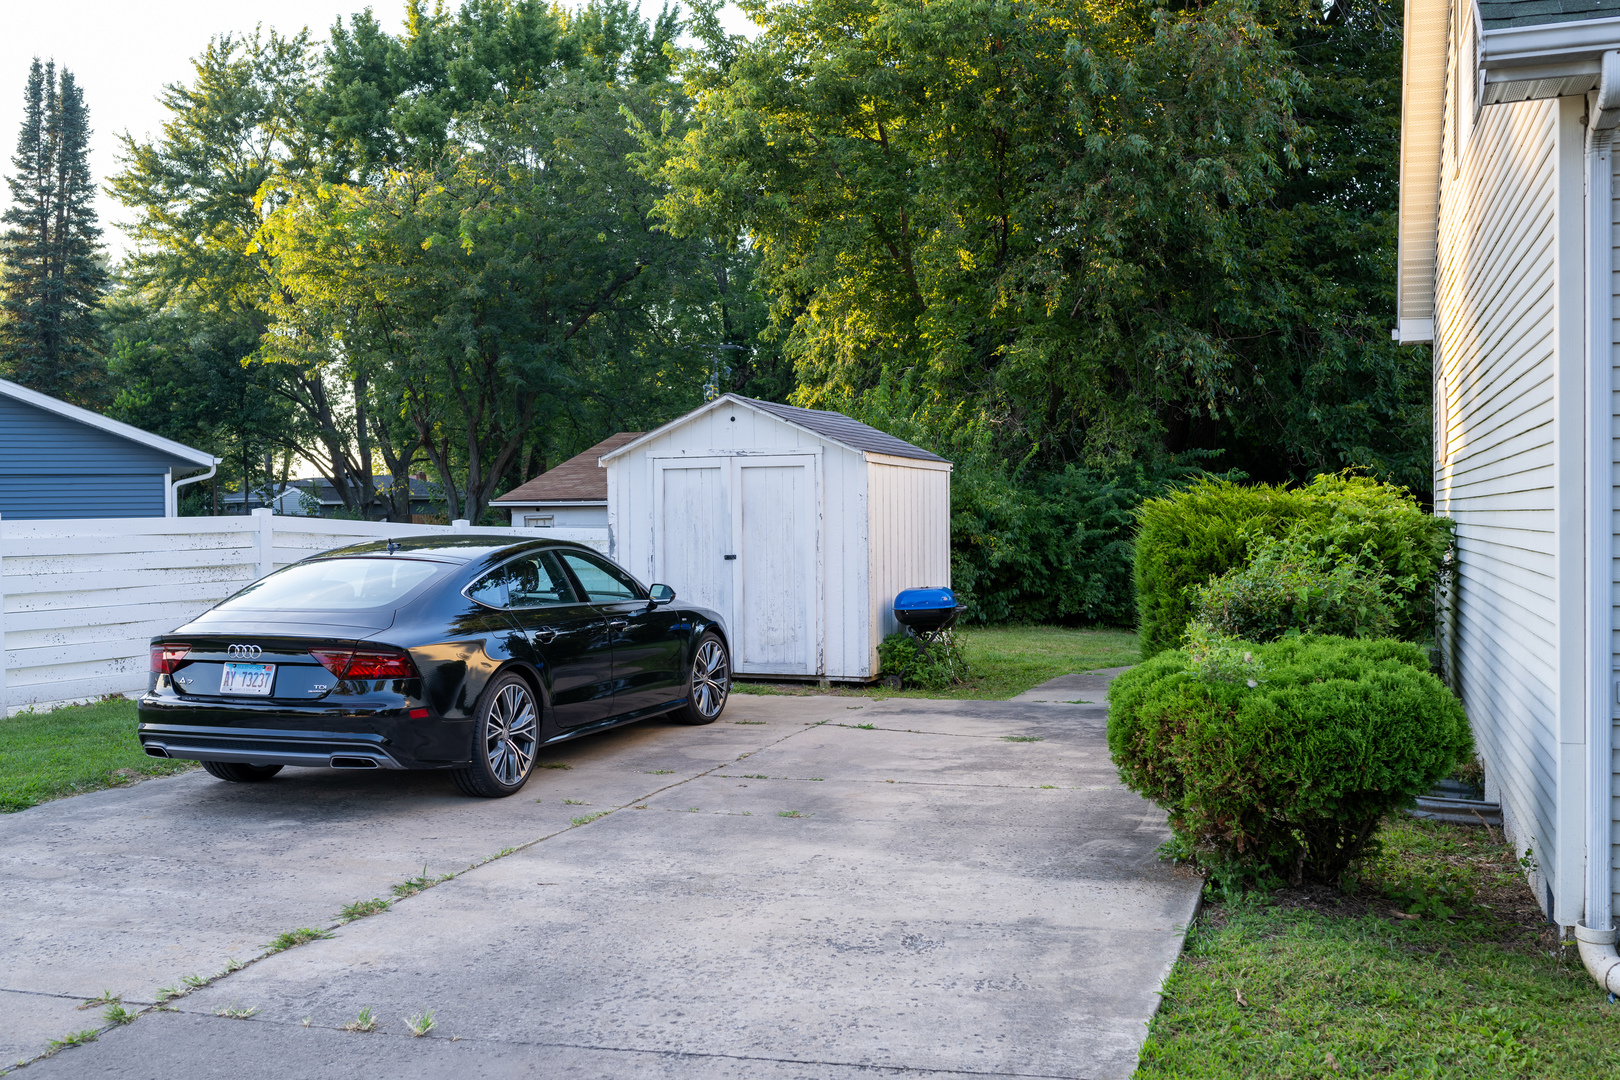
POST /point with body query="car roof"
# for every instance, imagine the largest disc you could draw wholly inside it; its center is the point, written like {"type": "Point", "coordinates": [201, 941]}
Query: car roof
{"type": "Point", "coordinates": [460, 547]}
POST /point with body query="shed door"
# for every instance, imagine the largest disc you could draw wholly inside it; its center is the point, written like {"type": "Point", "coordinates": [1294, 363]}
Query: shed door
{"type": "Point", "coordinates": [693, 515]}
{"type": "Point", "coordinates": [775, 508]}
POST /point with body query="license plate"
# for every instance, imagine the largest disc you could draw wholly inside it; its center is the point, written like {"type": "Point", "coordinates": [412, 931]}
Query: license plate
{"type": "Point", "coordinates": [247, 679]}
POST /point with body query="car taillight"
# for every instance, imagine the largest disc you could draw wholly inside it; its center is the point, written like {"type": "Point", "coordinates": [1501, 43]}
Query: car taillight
{"type": "Point", "coordinates": [366, 663]}
{"type": "Point", "coordinates": [165, 658]}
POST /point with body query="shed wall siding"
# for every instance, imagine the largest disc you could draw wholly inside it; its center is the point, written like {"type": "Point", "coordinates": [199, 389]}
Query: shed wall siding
{"type": "Point", "coordinates": [911, 536]}
{"type": "Point", "coordinates": [1496, 336]}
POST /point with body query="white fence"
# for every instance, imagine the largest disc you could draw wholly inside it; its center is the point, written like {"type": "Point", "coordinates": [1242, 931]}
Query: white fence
{"type": "Point", "coordinates": [79, 599]}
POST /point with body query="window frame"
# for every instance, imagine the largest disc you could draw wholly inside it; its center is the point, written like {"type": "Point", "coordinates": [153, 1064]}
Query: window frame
{"type": "Point", "coordinates": [533, 553]}
{"type": "Point", "coordinates": [591, 556]}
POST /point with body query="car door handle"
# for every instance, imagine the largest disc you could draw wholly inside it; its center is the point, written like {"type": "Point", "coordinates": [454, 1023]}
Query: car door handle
{"type": "Point", "coordinates": [618, 624]}
{"type": "Point", "coordinates": [545, 635]}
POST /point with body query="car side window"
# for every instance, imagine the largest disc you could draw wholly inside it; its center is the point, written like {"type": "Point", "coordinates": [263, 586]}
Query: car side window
{"type": "Point", "coordinates": [538, 581]}
{"type": "Point", "coordinates": [603, 583]}
{"type": "Point", "coordinates": [532, 581]}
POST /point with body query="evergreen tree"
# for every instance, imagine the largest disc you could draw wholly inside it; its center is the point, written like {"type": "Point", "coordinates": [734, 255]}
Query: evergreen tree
{"type": "Point", "coordinates": [54, 279]}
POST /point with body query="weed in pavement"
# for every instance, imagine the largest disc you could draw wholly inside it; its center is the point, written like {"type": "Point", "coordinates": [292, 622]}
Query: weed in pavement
{"type": "Point", "coordinates": [233, 1011]}
{"type": "Point", "coordinates": [554, 765]}
{"type": "Point", "coordinates": [73, 1038]}
{"type": "Point", "coordinates": [573, 802]}
{"type": "Point", "coordinates": [412, 886]}
{"type": "Point", "coordinates": [293, 938]}
{"type": "Point", "coordinates": [116, 1014]}
{"type": "Point", "coordinates": [421, 1024]}
{"type": "Point", "coordinates": [792, 813]}
{"type": "Point", "coordinates": [361, 908]}
{"type": "Point", "coordinates": [106, 997]}
{"type": "Point", "coordinates": [657, 772]}
{"type": "Point", "coordinates": [1434, 962]}
{"type": "Point", "coordinates": [364, 1022]}
{"type": "Point", "coordinates": [1023, 738]}
{"type": "Point", "coordinates": [588, 818]}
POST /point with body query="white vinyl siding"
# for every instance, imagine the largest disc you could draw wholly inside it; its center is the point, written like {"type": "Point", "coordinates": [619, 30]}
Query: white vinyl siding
{"type": "Point", "coordinates": [1496, 341]}
{"type": "Point", "coordinates": [1614, 575]}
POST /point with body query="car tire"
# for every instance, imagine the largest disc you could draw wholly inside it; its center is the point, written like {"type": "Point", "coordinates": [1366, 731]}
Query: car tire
{"type": "Point", "coordinates": [505, 739]}
{"type": "Point", "coordinates": [708, 682]}
{"type": "Point", "coordinates": [240, 773]}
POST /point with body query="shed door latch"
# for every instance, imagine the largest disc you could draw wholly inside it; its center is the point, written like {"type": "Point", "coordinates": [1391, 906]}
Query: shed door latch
{"type": "Point", "coordinates": [730, 557]}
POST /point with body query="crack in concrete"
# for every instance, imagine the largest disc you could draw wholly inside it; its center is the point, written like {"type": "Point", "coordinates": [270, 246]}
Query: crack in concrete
{"type": "Point", "coordinates": [694, 1054]}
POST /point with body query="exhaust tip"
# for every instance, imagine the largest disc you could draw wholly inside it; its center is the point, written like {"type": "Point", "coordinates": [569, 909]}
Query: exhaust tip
{"type": "Point", "coordinates": [354, 763]}
{"type": "Point", "coordinates": [156, 751]}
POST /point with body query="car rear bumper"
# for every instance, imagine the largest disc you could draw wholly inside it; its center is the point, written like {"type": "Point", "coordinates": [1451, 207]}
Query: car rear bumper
{"type": "Point", "coordinates": [259, 746]}
{"type": "Point", "coordinates": [315, 738]}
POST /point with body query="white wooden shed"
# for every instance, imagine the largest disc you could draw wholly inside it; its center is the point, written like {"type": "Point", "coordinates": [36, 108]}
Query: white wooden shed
{"type": "Point", "coordinates": [798, 526]}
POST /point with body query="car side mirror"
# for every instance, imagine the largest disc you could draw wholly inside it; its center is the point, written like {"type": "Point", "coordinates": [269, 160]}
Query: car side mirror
{"type": "Point", "coordinates": [660, 594]}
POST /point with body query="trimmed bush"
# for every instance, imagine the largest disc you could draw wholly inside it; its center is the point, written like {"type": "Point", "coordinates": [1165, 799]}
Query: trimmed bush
{"type": "Point", "coordinates": [1207, 529]}
{"type": "Point", "coordinates": [1278, 767]}
{"type": "Point", "coordinates": [1288, 588]}
{"type": "Point", "coordinates": [935, 665]}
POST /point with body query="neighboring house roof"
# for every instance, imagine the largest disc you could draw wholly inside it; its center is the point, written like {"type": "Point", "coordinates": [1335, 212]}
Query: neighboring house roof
{"type": "Point", "coordinates": [326, 494]}
{"type": "Point", "coordinates": [578, 480]}
{"type": "Point", "coordinates": [1502, 13]}
{"type": "Point", "coordinates": [187, 455]}
{"type": "Point", "coordinates": [832, 426]}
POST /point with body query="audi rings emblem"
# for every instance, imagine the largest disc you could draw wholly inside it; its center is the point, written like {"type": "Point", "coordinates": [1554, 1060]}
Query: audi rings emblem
{"type": "Point", "coordinates": [245, 652]}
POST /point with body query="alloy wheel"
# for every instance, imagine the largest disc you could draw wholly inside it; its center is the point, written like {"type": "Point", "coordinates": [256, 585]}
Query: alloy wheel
{"type": "Point", "coordinates": [510, 734]}
{"type": "Point", "coordinates": [711, 679]}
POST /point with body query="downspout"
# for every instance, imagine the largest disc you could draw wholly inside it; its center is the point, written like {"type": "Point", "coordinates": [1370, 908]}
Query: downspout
{"type": "Point", "coordinates": [173, 509]}
{"type": "Point", "coordinates": [1595, 936]}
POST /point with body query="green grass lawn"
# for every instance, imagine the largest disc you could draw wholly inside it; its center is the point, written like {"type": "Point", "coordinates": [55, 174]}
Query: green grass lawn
{"type": "Point", "coordinates": [72, 750]}
{"type": "Point", "coordinates": [1004, 661]}
{"type": "Point", "coordinates": [1317, 983]}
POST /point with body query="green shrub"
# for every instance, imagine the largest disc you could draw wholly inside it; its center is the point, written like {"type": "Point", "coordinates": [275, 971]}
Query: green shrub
{"type": "Point", "coordinates": [1287, 587]}
{"type": "Point", "coordinates": [1207, 529]}
{"type": "Point", "coordinates": [924, 665]}
{"type": "Point", "coordinates": [1056, 547]}
{"type": "Point", "coordinates": [1284, 776]}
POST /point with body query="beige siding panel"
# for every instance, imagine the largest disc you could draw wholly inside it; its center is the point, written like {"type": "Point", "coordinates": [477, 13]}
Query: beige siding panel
{"type": "Point", "coordinates": [911, 536]}
{"type": "Point", "coordinates": [1495, 334]}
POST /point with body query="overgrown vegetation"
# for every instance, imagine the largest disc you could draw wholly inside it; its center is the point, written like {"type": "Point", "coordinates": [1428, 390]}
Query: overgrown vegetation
{"type": "Point", "coordinates": [1213, 526]}
{"type": "Point", "coordinates": [72, 750]}
{"type": "Point", "coordinates": [1309, 983]}
{"type": "Point", "coordinates": [1280, 773]}
{"type": "Point", "coordinates": [923, 664]}
{"type": "Point", "coordinates": [1002, 661]}
{"type": "Point", "coordinates": [1286, 588]}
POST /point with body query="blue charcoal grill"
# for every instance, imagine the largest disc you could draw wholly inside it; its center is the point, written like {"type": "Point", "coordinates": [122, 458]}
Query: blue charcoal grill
{"type": "Point", "coordinates": [927, 612]}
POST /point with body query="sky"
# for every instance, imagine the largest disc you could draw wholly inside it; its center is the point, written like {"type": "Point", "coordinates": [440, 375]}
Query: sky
{"type": "Point", "coordinates": [124, 51]}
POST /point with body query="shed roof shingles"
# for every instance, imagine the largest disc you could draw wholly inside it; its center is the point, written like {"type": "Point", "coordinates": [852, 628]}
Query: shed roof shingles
{"type": "Point", "coordinates": [1501, 14]}
{"type": "Point", "coordinates": [841, 429]}
{"type": "Point", "coordinates": [579, 479]}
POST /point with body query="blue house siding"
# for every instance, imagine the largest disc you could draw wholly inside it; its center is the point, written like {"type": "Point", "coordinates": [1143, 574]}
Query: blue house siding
{"type": "Point", "coordinates": [56, 467]}
{"type": "Point", "coordinates": [65, 495]}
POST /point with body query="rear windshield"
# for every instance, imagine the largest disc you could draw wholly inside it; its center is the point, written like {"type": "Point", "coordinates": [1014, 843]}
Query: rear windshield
{"type": "Point", "coordinates": [336, 585]}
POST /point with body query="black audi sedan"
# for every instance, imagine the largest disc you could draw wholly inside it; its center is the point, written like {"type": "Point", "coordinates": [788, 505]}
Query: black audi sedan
{"type": "Point", "coordinates": [464, 653]}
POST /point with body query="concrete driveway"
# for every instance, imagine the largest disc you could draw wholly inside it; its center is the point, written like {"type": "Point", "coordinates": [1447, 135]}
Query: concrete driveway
{"type": "Point", "coordinates": [814, 887]}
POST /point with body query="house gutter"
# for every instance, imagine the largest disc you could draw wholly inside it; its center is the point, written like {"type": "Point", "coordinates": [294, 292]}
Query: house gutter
{"type": "Point", "coordinates": [1595, 936]}
{"type": "Point", "coordinates": [173, 507]}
